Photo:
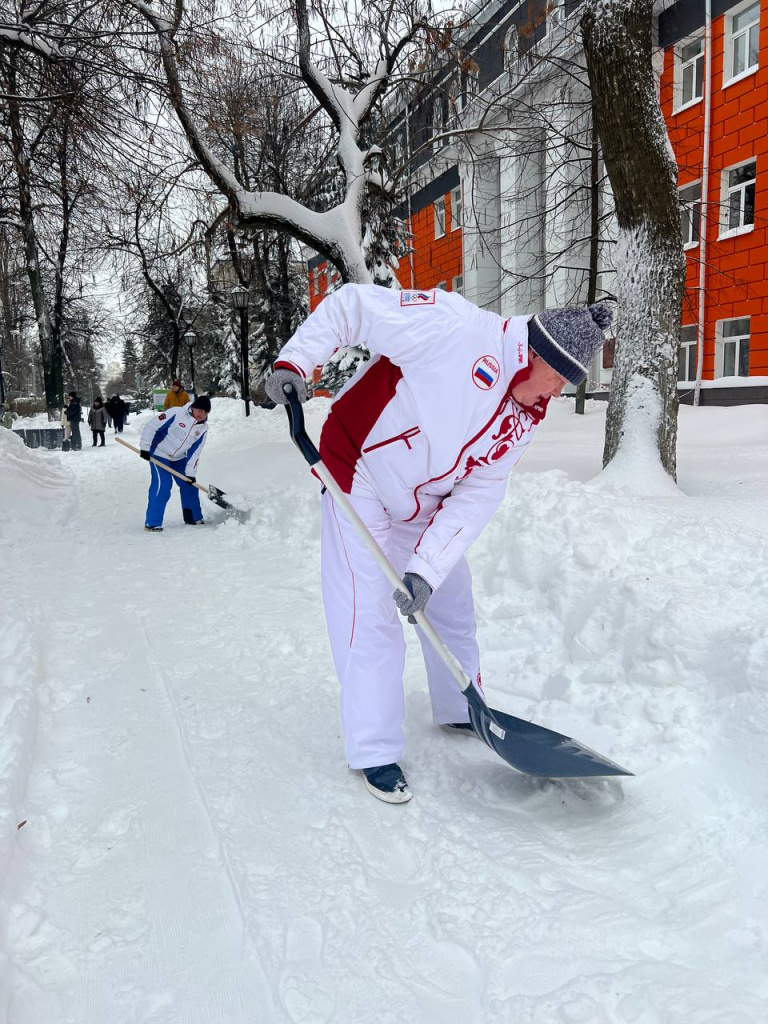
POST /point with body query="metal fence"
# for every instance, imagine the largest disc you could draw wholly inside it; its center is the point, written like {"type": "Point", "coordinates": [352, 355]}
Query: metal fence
{"type": "Point", "coordinates": [45, 437]}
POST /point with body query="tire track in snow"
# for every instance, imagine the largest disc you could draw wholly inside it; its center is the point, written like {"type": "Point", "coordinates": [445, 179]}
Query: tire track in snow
{"type": "Point", "coordinates": [221, 848]}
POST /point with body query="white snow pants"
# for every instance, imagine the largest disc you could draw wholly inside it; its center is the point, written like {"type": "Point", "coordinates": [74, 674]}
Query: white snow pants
{"type": "Point", "coordinates": [366, 632]}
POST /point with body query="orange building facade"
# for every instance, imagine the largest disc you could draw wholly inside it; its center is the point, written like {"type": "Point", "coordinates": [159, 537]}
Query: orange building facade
{"type": "Point", "coordinates": [723, 190]}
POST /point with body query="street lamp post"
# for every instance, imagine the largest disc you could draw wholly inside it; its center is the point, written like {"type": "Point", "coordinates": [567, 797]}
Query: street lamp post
{"type": "Point", "coordinates": [190, 338]}
{"type": "Point", "coordinates": [239, 296]}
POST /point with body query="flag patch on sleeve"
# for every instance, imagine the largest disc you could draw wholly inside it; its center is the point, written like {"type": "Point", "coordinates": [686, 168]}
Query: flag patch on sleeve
{"type": "Point", "coordinates": [417, 298]}
{"type": "Point", "coordinates": [485, 372]}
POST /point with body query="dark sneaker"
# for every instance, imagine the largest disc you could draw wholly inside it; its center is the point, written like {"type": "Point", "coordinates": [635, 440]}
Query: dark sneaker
{"type": "Point", "coordinates": [459, 727]}
{"type": "Point", "coordinates": [387, 782]}
{"type": "Point", "coordinates": [153, 529]}
{"type": "Point", "coordinates": [188, 514]}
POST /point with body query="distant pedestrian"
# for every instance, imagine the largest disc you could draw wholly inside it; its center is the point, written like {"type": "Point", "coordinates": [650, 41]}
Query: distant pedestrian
{"type": "Point", "coordinates": [176, 397]}
{"type": "Point", "coordinates": [7, 416]}
{"type": "Point", "coordinates": [108, 411]}
{"type": "Point", "coordinates": [66, 443]}
{"type": "Point", "coordinates": [74, 414]}
{"type": "Point", "coordinates": [118, 413]}
{"type": "Point", "coordinates": [97, 421]}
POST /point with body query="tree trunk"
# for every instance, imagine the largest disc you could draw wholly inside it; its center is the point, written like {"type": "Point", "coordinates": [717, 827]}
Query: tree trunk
{"type": "Point", "coordinates": [650, 264]}
{"type": "Point", "coordinates": [52, 356]}
{"type": "Point", "coordinates": [594, 241]}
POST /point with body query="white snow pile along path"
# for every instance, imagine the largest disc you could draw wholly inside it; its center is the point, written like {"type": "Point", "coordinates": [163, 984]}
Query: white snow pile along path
{"type": "Point", "coordinates": [195, 851]}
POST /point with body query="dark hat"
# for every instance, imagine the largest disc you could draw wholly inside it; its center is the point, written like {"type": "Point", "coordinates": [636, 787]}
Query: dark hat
{"type": "Point", "coordinates": [202, 402]}
{"type": "Point", "coordinates": [568, 338]}
{"type": "Point", "coordinates": [176, 383]}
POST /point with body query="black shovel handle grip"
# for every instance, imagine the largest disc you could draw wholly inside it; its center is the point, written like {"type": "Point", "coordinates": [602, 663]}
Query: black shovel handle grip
{"type": "Point", "coordinates": [299, 436]}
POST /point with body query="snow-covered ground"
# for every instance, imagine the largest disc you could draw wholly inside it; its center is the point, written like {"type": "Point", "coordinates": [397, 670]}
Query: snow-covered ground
{"type": "Point", "coordinates": [195, 851]}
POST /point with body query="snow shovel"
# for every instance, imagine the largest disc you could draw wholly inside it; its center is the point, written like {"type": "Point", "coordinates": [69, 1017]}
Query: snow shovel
{"type": "Point", "coordinates": [526, 747]}
{"type": "Point", "coordinates": [214, 494]}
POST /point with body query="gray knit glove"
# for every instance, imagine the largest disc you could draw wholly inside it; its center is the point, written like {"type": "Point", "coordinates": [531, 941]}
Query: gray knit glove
{"type": "Point", "coordinates": [274, 386]}
{"type": "Point", "coordinates": [420, 592]}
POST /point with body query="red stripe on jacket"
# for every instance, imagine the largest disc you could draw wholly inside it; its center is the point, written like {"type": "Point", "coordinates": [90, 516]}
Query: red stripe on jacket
{"type": "Point", "coordinates": [352, 418]}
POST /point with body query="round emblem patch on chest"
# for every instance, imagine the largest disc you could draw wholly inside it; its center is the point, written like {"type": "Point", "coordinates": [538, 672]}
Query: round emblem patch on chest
{"type": "Point", "coordinates": [486, 372]}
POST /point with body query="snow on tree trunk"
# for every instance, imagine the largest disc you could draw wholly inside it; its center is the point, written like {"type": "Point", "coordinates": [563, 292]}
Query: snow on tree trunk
{"type": "Point", "coordinates": [650, 264]}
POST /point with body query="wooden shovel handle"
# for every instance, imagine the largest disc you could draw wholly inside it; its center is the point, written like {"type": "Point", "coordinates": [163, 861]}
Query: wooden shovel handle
{"type": "Point", "coordinates": [173, 472]}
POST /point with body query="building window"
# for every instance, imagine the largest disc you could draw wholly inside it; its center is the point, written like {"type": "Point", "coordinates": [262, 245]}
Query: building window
{"type": "Point", "coordinates": [457, 284]}
{"type": "Point", "coordinates": [739, 198]}
{"type": "Point", "coordinates": [690, 213]}
{"type": "Point", "coordinates": [442, 285]}
{"type": "Point", "coordinates": [438, 122]}
{"type": "Point", "coordinates": [439, 208]}
{"type": "Point", "coordinates": [742, 41]}
{"type": "Point", "coordinates": [397, 150]}
{"type": "Point", "coordinates": [689, 72]}
{"type": "Point", "coordinates": [686, 356]}
{"type": "Point", "coordinates": [470, 87]}
{"type": "Point", "coordinates": [733, 347]}
{"type": "Point", "coordinates": [609, 353]}
{"type": "Point", "coordinates": [456, 209]}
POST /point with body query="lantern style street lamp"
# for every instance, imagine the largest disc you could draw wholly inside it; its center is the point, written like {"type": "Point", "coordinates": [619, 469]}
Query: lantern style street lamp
{"type": "Point", "coordinates": [190, 338]}
{"type": "Point", "coordinates": [239, 297]}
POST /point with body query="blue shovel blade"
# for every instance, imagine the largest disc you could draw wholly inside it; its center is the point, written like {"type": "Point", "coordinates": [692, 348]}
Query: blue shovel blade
{"type": "Point", "coordinates": [534, 750]}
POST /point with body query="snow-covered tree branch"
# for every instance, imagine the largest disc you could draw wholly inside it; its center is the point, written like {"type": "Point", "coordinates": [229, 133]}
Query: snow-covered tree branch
{"type": "Point", "coordinates": [347, 100]}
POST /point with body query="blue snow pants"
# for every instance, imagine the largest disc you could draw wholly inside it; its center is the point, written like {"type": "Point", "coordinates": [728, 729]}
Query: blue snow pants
{"type": "Point", "coordinates": [160, 491]}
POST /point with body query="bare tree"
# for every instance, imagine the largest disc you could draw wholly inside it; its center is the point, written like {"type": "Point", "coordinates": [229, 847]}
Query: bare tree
{"type": "Point", "coordinates": [346, 73]}
{"type": "Point", "coordinates": [650, 264]}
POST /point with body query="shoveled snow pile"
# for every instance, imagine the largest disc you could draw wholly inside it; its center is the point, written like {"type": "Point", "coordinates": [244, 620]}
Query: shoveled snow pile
{"type": "Point", "coordinates": [34, 493]}
{"type": "Point", "coordinates": [195, 851]}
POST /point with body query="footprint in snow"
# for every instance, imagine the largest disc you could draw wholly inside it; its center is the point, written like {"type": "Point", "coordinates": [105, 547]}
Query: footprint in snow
{"type": "Point", "coordinates": [306, 991]}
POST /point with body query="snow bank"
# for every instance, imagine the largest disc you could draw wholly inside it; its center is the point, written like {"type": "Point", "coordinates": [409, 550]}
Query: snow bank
{"type": "Point", "coordinates": [36, 497]}
{"type": "Point", "coordinates": [19, 670]}
{"type": "Point", "coordinates": [35, 488]}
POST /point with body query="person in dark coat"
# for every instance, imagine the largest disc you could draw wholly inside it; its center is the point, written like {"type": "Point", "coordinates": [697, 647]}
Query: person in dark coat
{"type": "Point", "coordinates": [74, 413]}
{"type": "Point", "coordinates": [97, 421]}
{"type": "Point", "coordinates": [119, 410]}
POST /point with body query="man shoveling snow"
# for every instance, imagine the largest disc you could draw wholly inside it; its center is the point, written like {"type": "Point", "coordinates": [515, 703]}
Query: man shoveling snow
{"type": "Point", "coordinates": [422, 440]}
{"type": "Point", "coordinates": [175, 439]}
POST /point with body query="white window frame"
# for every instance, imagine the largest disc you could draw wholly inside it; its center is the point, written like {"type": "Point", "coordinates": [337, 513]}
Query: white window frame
{"type": "Point", "coordinates": [721, 341]}
{"type": "Point", "coordinates": [679, 66]}
{"type": "Point", "coordinates": [688, 343]}
{"type": "Point", "coordinates": [690, 220]}
{"type": "Point", "coordinates": [457, 284]}
{"type": "Point", "coordinates": [439, 210]}
{"type": "Point", "coordinates": [438, 122]}
{"type": "Point", "coordinates": [457, 202]}
{"type": "Point", "coordinates": [729, 76]}
{"type": "Point", "coordinates": [398, 150]}
{"type": "Point", "coordinates": [725, 201]}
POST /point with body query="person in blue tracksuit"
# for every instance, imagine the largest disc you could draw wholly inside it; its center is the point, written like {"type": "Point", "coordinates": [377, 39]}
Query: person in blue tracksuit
{"type": "Point", "coordinates": [175, 438]}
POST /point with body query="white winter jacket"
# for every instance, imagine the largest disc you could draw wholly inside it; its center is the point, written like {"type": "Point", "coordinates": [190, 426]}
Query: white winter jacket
{"type": "Point", "coordinates": [177, 436]}
{"type": "Point", "coordinates": [428, 426]}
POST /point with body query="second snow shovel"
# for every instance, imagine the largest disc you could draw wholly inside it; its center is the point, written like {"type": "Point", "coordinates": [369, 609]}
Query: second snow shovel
{"type": "Point", "coordinates": [213, 493]}
{"type": "Point", "coordinates": [526, 747]}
